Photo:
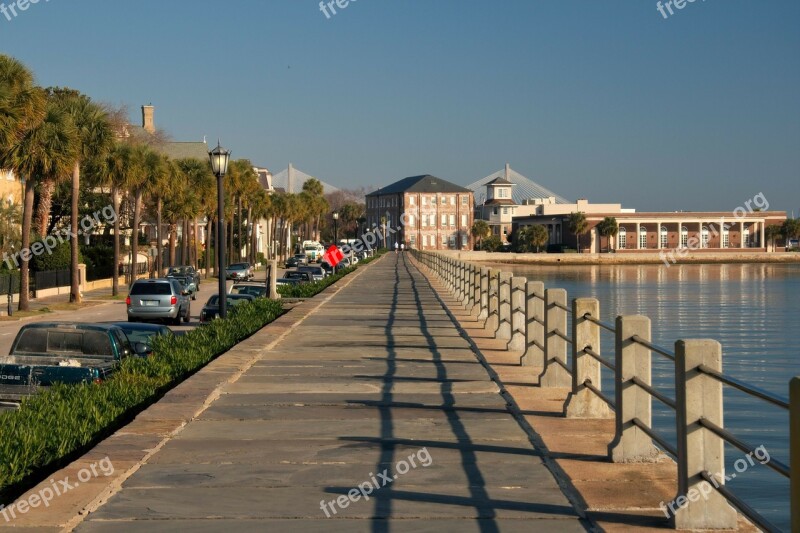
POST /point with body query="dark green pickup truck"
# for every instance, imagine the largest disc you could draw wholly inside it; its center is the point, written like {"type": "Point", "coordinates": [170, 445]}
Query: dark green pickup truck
{"type": "Point", "coordinates": [47, 353]}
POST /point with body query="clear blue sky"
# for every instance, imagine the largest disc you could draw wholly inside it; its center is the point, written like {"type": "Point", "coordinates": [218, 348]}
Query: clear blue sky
{"type": "Point", "coordinates": [604, 100]}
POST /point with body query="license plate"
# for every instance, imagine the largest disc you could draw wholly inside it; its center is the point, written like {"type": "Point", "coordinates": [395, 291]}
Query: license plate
{"type": "Point", "coordinates": [150, 303]}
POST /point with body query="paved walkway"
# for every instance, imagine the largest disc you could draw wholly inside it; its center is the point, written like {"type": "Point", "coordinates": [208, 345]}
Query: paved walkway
{"type": "Point", "coordinates": [375, 387]}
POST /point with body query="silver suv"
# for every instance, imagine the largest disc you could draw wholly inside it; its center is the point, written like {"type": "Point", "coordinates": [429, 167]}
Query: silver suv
{"type": "Point", "coordinates": [158, 299]}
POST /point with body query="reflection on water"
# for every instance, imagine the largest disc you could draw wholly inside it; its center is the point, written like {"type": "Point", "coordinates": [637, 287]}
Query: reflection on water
{"type": "Point", "coordinates": [753, 310]}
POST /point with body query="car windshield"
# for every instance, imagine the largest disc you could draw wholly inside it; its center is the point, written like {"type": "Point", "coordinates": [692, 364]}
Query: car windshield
{"type": "Point", "coordinates": [237, 266]}
{"type": "Point", "coordinates": [233, 299]}
{"type": "Point", "coordinates": [49, 342]}
{"type": "Point", "coordinates": [159, 289]}
{"type": "Point", "coordinates": [143, 336]}
{"type": "Point", "coordinates": [252, 290]}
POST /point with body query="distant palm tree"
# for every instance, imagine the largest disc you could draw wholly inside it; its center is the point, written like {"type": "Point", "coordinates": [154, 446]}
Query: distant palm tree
{"type": "Point", "coordinates": [608, 228]}
{"type": "Point", "coordinates": [480, 230]}
{"type": "Point", "coordinates": [22, 104]}
{"type": "Point", "coordinates": [578, 225]}
{"type": "Point", "coordinates": [771, 233]}
{"type": "Point", "coordinates": [48, 149]}
{"type": "Point", "coordinates": [95, 138]}
{"type": "Point", "coordinates": [791, 229]}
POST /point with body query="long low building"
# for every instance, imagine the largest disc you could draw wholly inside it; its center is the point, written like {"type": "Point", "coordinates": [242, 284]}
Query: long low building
{"type": "Point", "coordinates": [652, 232]}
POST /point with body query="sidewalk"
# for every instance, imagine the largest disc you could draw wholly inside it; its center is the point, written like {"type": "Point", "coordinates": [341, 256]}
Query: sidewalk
{"type": "Point", "coordinates": [348, 390]}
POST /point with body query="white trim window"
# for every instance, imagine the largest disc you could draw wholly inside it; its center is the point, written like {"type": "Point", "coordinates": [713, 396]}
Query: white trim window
{"type": "Point", "coordinates": [463, 221]}
{"type": "Point", "coordinates": [643, 238]}
{"type": "Point", "coordinates": [664, 236]}
{"type": "Point", "coordinates": [424, 200]}
{"type": "Point", "coordinates": [684, 237]}
{"type": "Point", "coordinates": [411, 200]}
{"type": "Point", "coordinates": [424, 221]}
{"type": "Point", "coordinates": [452, 221]}
{"type": "Point", "coordinates": [706, 236]}
{"type": "Point", "coordinates": [622, 238]}
{"type": "Point", "coordinates": [444, 221]}
{"type": "Point", "coordinates": [726, 237]}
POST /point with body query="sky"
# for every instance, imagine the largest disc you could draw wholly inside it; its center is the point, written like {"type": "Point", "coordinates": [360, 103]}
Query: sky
{"type": "Point", "coordinates": [605, 100]}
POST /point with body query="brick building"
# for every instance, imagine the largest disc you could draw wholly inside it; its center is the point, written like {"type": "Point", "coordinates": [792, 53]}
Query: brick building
{"type": "Point", "coordinates": [426, 213]}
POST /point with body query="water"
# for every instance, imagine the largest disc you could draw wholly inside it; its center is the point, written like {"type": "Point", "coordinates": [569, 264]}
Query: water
{"type": "Point", "coordinates": [753, 310]}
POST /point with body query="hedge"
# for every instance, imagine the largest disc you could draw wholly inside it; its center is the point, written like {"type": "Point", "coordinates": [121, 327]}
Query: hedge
{"type": "Point", "coordinates": [65, 419]}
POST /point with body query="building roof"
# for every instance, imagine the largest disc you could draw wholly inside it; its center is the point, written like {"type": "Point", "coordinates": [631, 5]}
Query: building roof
{"type": "Point", "coordinates": [185, 150]}
{"type": "Point", "coordinates": [298, 178]}
{"type": "Point", "coordinates": [425, 184]}
{"type": "Point", "coordinates": [525, 188]}
{"type": "Point", "coordinates": [500, 201]}
{"type": "Point", "coordinates": [500, 181]}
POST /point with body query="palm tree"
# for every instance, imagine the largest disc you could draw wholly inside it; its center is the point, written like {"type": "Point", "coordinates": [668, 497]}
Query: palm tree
{"type": "Point", "coordinates": [578, 225]}
{"type": "Point", "coordinates": [161, 177]}
{"type": "Point", "coordinates": [771, 233]}
{"type": "Point", "coordinates": [609, 228]}
{"type": "Point", "coordinates": [95, 138]}
{"type": "Point", "coordinates": [22, 104]}
{"type": "Point", "coordinates": [48, 149]}
{"type": "Point", "coordinates": [791, 230]}
{"type": "Point", "coordinates": [139, 186]}
{"type": "Point", "coordinates": [480, 230]}
{"type": "Point", "coordinates": [117, 168]}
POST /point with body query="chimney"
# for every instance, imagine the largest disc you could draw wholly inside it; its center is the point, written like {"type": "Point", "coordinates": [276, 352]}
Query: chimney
{"type": "Point", "coordinates": [508, 171]}
{"type": "Point", "coordinates": [148, 120]}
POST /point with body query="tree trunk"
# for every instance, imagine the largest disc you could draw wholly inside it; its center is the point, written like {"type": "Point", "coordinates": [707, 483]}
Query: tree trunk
{"type": "Point", "coordinates": [137, 218]}
{"type": "Point", "coordinates": [230, 241]}
{"type": "Point", "coordinates": [159, 238]}
{"type": "Point", "coordinates": [196, 261]}
{"type": "Point", "coordinates": [24, 269]}
{"type": "Point", "coordinates": [115, 274]}
{"type": "Point", "coordinates": [185, 259]}
{"type": "Point", "coordinates": [173, 228]}
{"type": "Point", "coordinates": [45, 205]}
{"type": "Point", "coordinates": [209, 242]}
{"type": "Point", "coordinates": [239, 228]}
{"type": "Point", "coordinates": [75, 289]}
{"type": "Point", "coordinates": [249, 236]}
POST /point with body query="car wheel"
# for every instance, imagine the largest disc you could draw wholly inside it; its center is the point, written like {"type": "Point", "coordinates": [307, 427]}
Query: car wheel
{"type": "Point", "coordinates": [188, 316]}
{"type": "Point", "coordinates": [177, 320]}
{"type": "Point", "coordinates": [194, 297]}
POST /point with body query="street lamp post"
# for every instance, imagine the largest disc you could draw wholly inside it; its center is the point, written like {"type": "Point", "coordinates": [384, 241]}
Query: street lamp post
{"type": "Point", "coordinates": [335, 229]}
{"type": "Point", "coordinates": [219, 166]}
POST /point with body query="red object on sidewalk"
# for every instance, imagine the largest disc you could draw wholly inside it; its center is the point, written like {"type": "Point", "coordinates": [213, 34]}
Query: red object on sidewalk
{"type": "Point", "coordinates": [333, 256]}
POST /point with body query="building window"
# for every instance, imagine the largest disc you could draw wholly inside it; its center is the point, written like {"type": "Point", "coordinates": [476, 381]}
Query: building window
{"type": "Point", "coordinates": [410, 200]}
{"type": "Point", "coordinates": [684, 237]}
{"type": "Point", "coordinates": [463, 221]}
{"type": "Point", "coordinates": [452, 220]}
{"type": "Point", "coordinates": [411, 220]}
{"type": "Point", "coordinates": [444, 240]}
{"type": "Point", "coordinates": [452, 241]}
{"type": "Point", "coordinates": [444, 200]}
{"type": "Point", "coordinates": [424, 220]}
{"type": "Point", "coordinates": [494, 211]}
{"type": "Point", "coordinates": [706, 237]}
{"type": "Point", "coordinates": [505, 210]}
{"type": "Point", "coordinates": [464, 239]}
{"type": "Point", "coordinates": [453, 200]}
{"type": "Point", "coordinates": [664, 236]}
{"type": "Point", "coordinates": [726, 237]}
{"type": "Point", "coordinates": [746, 238]}
{"type": "Point", "coordinates": [424, 200]}
{"type": "Point", "coordinates": [623, 238]}
{"type": "Point", "coordinates": [444, 221]}
{"type": "Point", "coordinates": [464, 200]}
{"type": "Point", "coordinates": [642, 237]}
{"type": "Point", "coordinates": [412, 239]}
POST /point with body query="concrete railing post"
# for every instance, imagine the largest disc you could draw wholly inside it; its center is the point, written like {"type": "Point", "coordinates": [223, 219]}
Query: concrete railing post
{"type": "Point", "coordinates": [555, 371]}
{"type": "Point", "coordinates": [534, 325]}
{"type": "Point", "coordinates": [493, 320]}
{"type": "Point", "coordinates": [794, 450]}
{"type": "Point", "coordinates": [632, 360]}
{"type": "Point", "coordinates": [469, 298]}
{"type": "Point", "coordinates": [504, 307]}
{"type": "Point", "coordinates": [476, 290]}
{"type": "Point", "coordinates": [699, 450]}
{"type": "Point", "coordinates": [518, 310]}
{"type": "Point", "coordinates": [462, 281]}
{"type": "Point", "coordinates": [582, 401]}
{"type": "Point", "coordinates": [483, 314]}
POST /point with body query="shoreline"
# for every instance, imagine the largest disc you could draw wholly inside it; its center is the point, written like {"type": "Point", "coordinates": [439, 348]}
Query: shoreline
{"type": "Point", "coordinates": [704, 258]}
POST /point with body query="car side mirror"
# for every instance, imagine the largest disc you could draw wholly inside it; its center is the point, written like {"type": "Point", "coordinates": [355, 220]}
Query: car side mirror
{"type": "Point", "coordinates": [184, 293]}
{"type": "Point", "coordinates": [142, 349]}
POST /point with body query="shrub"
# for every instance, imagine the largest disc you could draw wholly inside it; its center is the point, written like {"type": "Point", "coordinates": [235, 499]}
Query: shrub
{"type": "Point", "coordinates": [65, 419]}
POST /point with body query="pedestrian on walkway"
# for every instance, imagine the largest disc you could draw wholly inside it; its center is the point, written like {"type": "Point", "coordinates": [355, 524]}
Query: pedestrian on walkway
{"type": "Point", "coordinates": [402, 247]}
{"type": "Point", "coordinates": [396, 246]}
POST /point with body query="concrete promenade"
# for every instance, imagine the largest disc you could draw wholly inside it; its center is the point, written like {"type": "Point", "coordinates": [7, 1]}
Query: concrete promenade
{"type": "Point", "coordinates": [375, 374]}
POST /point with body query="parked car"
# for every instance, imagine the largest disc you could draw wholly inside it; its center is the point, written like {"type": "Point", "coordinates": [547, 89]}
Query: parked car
{"type": "Point", "coordinates": [239, 271]}
{"type": "Point", "coordinates": [47, 353]}
{"type": "Point", "coordinates": [211, 309]}
{"type": "Point", "coordinates": [142, 335]}
{"type": "Point", "coordinates": [158, 299]}
{"type": "Point", "coordinates": [259, 290]}
{"type": "Point", "coordinates": [299, 275]}
{"type": "Point", "coordinates": [285, 281]}
{"type": "Point", "coordinates": [188, 271]}
{"type": "Point", "coordinates": [187, 283]}
{"type": "Point", "coordinates": [317, 272]}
